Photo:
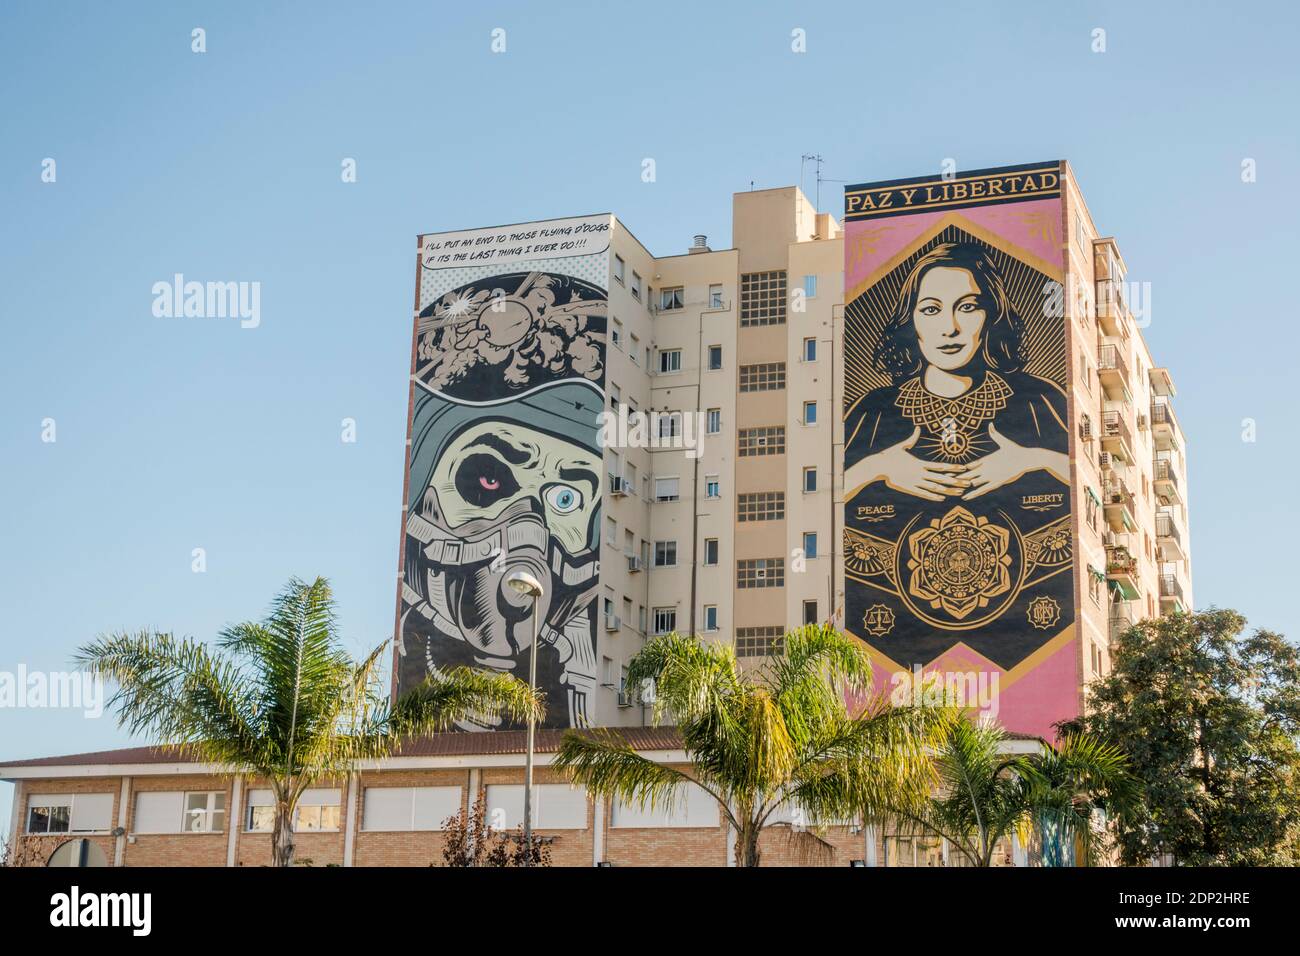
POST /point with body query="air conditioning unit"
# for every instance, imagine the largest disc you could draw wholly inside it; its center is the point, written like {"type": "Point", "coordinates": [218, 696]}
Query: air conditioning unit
{"type": "Point", "coordinates": [1105, 461]}
{"type": "Point", "coordinates": [1111, 539]}
{"type": "Point", "coordinates": [1142, 423]}
{"type": "Point", "coordinates": [634, 562]}
{"type": "Point", "coordinates": [1085, 429]}
{"type": "Point", "coordinates": [618, 486]}
{"type": "Point", "coordinates": [612, 623]}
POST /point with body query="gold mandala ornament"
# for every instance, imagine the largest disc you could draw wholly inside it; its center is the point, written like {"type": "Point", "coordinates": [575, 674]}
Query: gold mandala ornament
{"type": "Point", "coordinates": [959, 563]}
{"type": "Point", "coordinates": [878, 620]}
{"type": "Point", "coordinates": [1044, 612]}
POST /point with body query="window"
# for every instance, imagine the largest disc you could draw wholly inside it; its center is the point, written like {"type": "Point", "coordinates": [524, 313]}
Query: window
{"type": "Point", "coordinates": [715, 297]}
{"type": "Point", "coordinates": [636, 286]}
{"type": "Point", "coordinates": [665, 620]}
{"type": "Point", "coordinates": [611, 531]}
{"type": "Point", "coordinates": [619, 268]}
{"type": "Point", "coordinates": [764, 377]}
{"type": "Point", "coordinates": [70, 813]}
{"type": "Point", "coordinates": [666, 489]}
{"type": "Point", "coordinates": [175, 811]}
{"type": "Point", "coordinates": [810, 287]}
{"type": "Point", "coordinates": [670, 299]}
{"type": "Point", "coordinates": [767, 641]}
{"type": "Point", "coordinates": [710, 617]}
{"type": "Point", "coordinates": [409, 808]}
{"type": "Point", "coordinates": [615, 396]}
{"type": "Point", "coordinates": [318, 809]}
{"type": "Point", "coordinates": [715, 357]}
{"type": "Point", "coordinates": [810, 413]}
{"type": "Point", "coordinates": [762, 298]}
{"type": "Point", "coordinates": [712, 487]}
{"type": "Point", "coordinates": [691, 807]}
{"type": "Point", "coordinates": [713, 421]}
{"type": "Point", "coordinates": [665, 554]}
{"type": "Point", "coordinates": [669, 424]}
{"type": "Point", "coordinates": [634, 350]}
{"type": "Point", "coordinates": [623, 699]}
{"type": "Point", "coordinates": [616, 333]}
{"type": "Point", "coordinates": [710, 551]}
{"type": "Point", "coordinates": [810, 544]}
{"type": "Point", "coordinates": [809, 480]}
{"type": "Point", "coordinates": [555, 806]}
{"type": "Point", "coordinates": [760, 506]}
{"type": "Point", "coordinates": [766, 440]}
{"type": "Point", "coordinates": [640, 618]}
{"type": "Point", "coordinates": [810, 350]}
{"type": "Point", "coordinates": [760, 573]}
{"type": "Point", "coordinates": [670, 360]}
{"type": "Point", "coordinates": [810, 612]}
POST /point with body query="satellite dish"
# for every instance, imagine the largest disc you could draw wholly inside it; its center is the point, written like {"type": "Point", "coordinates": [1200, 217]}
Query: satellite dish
{"type": "Point", "coordinates": [78, 853]}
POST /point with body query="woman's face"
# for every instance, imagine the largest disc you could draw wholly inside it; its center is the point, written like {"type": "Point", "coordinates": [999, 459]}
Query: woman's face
{"type": "Point", "coordinates": [949, 317]}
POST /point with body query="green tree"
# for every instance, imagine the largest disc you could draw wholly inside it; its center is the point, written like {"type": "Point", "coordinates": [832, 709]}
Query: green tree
{"type": "Point", "coordinates": [986, 794]}
{"type": "Point", "coordinates": [1209, 718]}
{"type": "Point", "coordinates": [282, 700]}
{"type": "Point", "coordinates": [759, 739]}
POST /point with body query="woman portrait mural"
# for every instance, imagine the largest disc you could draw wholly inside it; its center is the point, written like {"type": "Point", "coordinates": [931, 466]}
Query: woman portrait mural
{"type": "Point", "coordinates": [957, 545]}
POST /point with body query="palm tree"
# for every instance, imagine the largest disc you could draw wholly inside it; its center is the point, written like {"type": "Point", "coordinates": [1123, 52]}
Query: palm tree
{"type": "Point", "coordinates": [779, 735]}
{"type": "Point", "coordinates": [282, 700]}
{"type": "Point", "coordinates": [986, 795]}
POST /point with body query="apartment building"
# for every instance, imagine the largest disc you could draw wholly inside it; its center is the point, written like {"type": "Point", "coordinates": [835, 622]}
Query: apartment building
{"type": "Point", "coordinates": [936, 424]}
{"type": "Point", "coordinates": [726, 516]}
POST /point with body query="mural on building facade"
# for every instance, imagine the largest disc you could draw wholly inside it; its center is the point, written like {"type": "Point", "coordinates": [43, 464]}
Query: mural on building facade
{"type": "Point", "coordinates": [504, 468]}
{"type": "Point", "coordinates": [957, 546]}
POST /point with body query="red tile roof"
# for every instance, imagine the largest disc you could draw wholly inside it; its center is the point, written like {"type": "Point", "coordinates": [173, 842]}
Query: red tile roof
{"type": "Point", "coordinates": [435, 745]}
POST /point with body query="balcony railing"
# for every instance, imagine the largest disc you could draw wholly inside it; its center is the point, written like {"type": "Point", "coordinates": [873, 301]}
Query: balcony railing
{"type": "Point", "coordinates": [1116, 436]}
{"type": "Point", "coordinates": [1112, 367]}
{"type": "Point", "coordinates": [1164, 426]}
{"type": "Point", "coordinates": [1171, 588]}
{"type": "Point", "coordinates": [1119, 626]}
{"type": "Point", "coordinates": [1166, 527]}
{"type": "Point", "coordinates": [1166, 477]}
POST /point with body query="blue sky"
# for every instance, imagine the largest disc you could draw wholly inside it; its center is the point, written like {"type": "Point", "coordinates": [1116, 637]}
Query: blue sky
{"type": "Point", "coordinates": [176, 434]}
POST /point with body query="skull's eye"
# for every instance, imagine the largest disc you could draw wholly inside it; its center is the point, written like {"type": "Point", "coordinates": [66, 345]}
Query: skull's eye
{"type": "Point", "coordinates": [483, 480]}
{"type": "Point", "coordinates": [563, 498]}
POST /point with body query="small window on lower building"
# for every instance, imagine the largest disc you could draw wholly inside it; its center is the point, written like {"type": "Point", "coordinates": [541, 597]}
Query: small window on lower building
{"type": "Point", "coordinates": [710, 617]}
{"type": "Point", "coordinates": [715, 357]}
{"type": "Point", "coordinates": [810, 544]}
{"type": "Point", "coordinates": [665, 620]}
{"type": "Point", "coordinates": [810, 612]}
{"type": "Point", "coordinates": [710, 551]}
{"type": "Point", "coordinates": [809, 480]}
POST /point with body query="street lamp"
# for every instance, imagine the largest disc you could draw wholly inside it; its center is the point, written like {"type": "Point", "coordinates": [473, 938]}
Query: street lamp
{"type": "Point", "coordinates": [524, 583]}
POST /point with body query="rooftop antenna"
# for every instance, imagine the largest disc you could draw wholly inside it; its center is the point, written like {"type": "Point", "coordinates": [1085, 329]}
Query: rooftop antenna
{"type": "Point", "coordinates": [803, 161]}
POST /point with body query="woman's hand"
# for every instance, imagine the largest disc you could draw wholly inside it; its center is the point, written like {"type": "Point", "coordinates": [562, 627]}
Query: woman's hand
{"type": "Point", "coordinates": [904, 472]}
{"type": "Point", "coordinates": [1008, 461]}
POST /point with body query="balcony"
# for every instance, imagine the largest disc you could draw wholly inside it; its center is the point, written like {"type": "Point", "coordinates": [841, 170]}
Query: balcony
{"type": "Point", "coordinates": [1171, 593]}
{"type": "Point", "coordinates": [1117, 501]}
{"type": "Point", "coordinates": [1116, 436]}
{"type": "Point", "coordinates": [1169, 538]}
{"type": "Point", "coordinates": [1164, 427]}
{"type": "Point", "coordinates": [1162, 383]}
{"type": "Point", "coordinates": [1110, 306]}
{"type": "Point", "coordinates": [1119, 626]}
{"type": "Point", "coordinates": [1112, 369]}
{"type": "Point", "coordinates": [1166, 479]}
{"type": "Point", "coordinates": [1122, 571]}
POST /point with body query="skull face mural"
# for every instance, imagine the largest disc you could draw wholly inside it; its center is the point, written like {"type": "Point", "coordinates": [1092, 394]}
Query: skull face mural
{"type": "Point", "coordinates": [505, 474]}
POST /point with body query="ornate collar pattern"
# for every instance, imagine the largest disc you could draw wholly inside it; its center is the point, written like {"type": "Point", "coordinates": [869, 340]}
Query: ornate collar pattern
{"type": "Point", "coordinates": [954, 420]}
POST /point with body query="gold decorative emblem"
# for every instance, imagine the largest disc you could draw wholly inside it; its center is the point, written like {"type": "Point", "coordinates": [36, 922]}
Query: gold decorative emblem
{"type": "Point", "coordinates": [959, 562]}
{"type": "Point", "coordinates": [879, 620]}
{"type": "Point", "coordinates": [1044, 612]}
{"type": "Point", "coordinates": [951, 423]}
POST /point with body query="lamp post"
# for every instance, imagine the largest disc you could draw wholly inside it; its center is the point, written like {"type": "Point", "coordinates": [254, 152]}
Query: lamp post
{"type": "Point", "coordinates": [525, 583]}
